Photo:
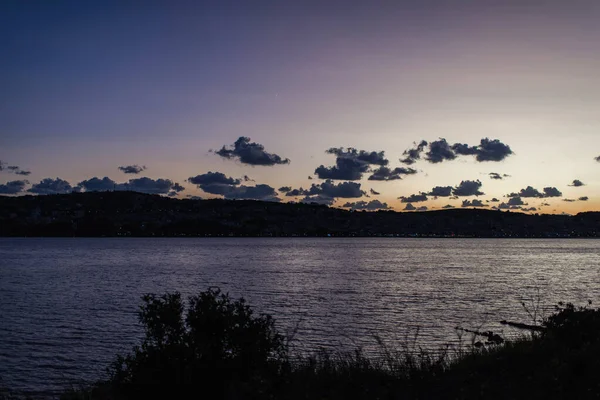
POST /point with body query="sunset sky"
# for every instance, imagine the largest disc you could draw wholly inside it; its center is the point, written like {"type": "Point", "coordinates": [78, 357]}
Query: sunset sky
{"type": "Point", "coordinates": [90, 86]}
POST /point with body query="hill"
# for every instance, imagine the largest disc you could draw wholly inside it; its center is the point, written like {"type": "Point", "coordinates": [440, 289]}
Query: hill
{"type": "Point", "coordinates": [136, 214]}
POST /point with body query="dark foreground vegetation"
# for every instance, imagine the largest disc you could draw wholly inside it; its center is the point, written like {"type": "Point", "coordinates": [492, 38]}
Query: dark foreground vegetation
{"type": "Point", "coordinates": [136, 214]}
{"type": "Point", "coordinates": [218, 348]}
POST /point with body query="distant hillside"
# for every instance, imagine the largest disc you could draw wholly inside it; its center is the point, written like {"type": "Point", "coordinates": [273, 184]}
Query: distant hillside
{"type": "Point", "coordinates": [137, 214]}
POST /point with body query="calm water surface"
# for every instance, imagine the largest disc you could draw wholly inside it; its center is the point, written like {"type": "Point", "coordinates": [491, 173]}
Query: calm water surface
{"type": "Point", "coordinates": [69, 305]}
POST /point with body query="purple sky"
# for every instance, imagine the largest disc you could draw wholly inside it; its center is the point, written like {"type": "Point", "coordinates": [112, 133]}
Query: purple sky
{"type": "Point", "coordinates": [88, 86]}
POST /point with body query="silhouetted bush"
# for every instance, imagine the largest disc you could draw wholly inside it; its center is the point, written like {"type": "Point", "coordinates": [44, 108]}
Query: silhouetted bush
{"type": "Point", "coordinates": [217, 348]}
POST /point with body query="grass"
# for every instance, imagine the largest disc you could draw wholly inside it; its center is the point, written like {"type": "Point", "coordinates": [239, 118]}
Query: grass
{"type": "Point", "coordinates": [216, 347]}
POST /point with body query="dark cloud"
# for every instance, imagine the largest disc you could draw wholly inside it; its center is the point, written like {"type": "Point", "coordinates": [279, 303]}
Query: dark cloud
{"type": "Point", "coordinates": [318, 199]}
{"type": "Point", "coordinates": [414, 198]}
{"type": "Point", "coordinates": [310, 177]}
{"type": "Point", "coordinates": [257, 192]}
{"type": "Point", "coordinates": [439, 151]}
{"type": "Point", "coordinates": [503, 206]}
{"type": "Point", "coordinates": [597, 158]}
{"type": "Point", "coordinates": [448, 206]}
{"type": "Point", "coordinates": [387, 174]}
{"type": "Point", "coordinates": [369, 206]}
{"type": "Point", "coordinates": [132, 169]}
{"type": "Point", "coordinates": [2, 165]}
{"type": "Point", "coordinates": [414, 154]}
{"type": "Point", "coordinates": [474, 203]}
{"type": "Point", "coordinates": [569, 200]}
{"type": "Point", "coordinates": [24, 173]}
{"type": "Point", "coordinates": [285, 189]}
{"type": "Point", "coordinates": [330, 189]}
{"type": "Point", "coordinates": [13, 187]}
{"type": "Point", "coordinates": [422, 208]}
{"type": "Point", "coordinates": [492, 150]}
{"type": "Point", "coordinates": [51, 186]}
{"type": "Point", "coordinates": [530, 209]}
{"type": "Point", "coordinates": [372, 157]}
{"type": "Point", "coordinates": [172, 194]}
{"type": "Point", "coordinates": [468, 188]}
{"type": "Point", "coordinates": [297, 192]}
{"type": "Point", "coordinates": [495, 175]}
{"type": "Point", "coordinates": [583, 198]}
{"type": "Point", "coordinates": [99, 185]}
{"type": "Point", "coordinates": [465, 149]}
{"type": "Point", "coordinates": [409, 207]}
{"type": "Point", "coordinates": [545, 204]}
{"type": "Point", "coordinates": [552, 192]}
{"type": "Point", "coordinates": [13, 169]}
{"type": "Point", "coordinates": [153, 186]}
{"type": "Point", "coordinates": [528, 192]}
{"type": "Point", "coordinates": [441, 191]}
{"type": "Point", "coordinates": [213, 177]}
{"type": "Point", "coordinates": [577, 183]}
{"type": "Point", "coordinates": [346, 169]}
{"type": "Point", "coordinates": [516, 201]}
{"type": "Point", "coordinates": [248, 179]}
{"type": "Point", "coordinates": [375, 193]}
{"type": "Point", "coordinates": [494, 200]}
{"type": "Point", "coordinates": [250, 153]}
{"type": "Point", "coordinates": [191, 197]}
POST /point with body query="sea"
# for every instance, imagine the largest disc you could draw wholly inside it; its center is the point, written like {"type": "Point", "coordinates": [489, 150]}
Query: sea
{"type": "Point", "coordinates": [68, 306]}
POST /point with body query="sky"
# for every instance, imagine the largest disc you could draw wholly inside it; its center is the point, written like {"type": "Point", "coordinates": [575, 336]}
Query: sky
{"type": "Point", "coordinates": [239, 99]}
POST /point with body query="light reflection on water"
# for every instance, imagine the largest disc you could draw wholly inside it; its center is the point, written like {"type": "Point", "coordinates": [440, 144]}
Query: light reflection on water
{"type": "Point", "coordinates": [69, 305]}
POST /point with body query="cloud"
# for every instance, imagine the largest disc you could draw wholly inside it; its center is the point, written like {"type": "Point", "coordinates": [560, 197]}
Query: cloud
{"type": "Point", "coordinates": [441, 191]}
{"type": "Point", "coordinates": [351, 164]}
{"type": "Point", "coordinates": [250, 153]}
{"type": "Point", "coordinates": [516, 201]}
{"type": "Point", "coordinates": [439, 151]}
{"type": "Point", "coordinates": [132, 169]}
{"type": "Point", "coordinates": [285, 189]}
{"type": "Point", "coordinates": [569, 200]}
{"type": "Point", "coordinates": [2, 165]}
{"type": "Point", "coordinates": [530, 192]}
{"type": "Point", "coordinates": [492, 150]}
{"type": "Point", "coordinates": [583, 198]}
{"type": "Point", "coordinates": [153, 186]}
{"type": "Point", "coordinates": [51, 186]}
{"type": "Point", "coordinates": [374, 193]}
{"type": "Point", "coordinates": [346, 169]}
{"type": "Point", "coordinates": [13, 169]}
{"type": "Point", "coordinates": [13, 187]}
{"type": "Point", "coordinates": [409, 207]}
{"type": "Point", "coordinates": [330, 189]}
{"type": "Point", "coordinates": [597, 158]}
{"type": "Point", "coordinates": [248, 179]}
{"type": "Point", "coordinates": [577, 183]}
{"type": "Point", "coordinates": [422, 208]}
{"type": "Point", "coordinates": [494, 200]}
{"type": "Point", "coordinates": [468, 188]}
{"type": "Point", "coordinates": [213, 177]}
{"type": "Point", "coordinates": [414, 154]}
{"type": "Point", "coordinates": [100, 185]}
{"type": "Point", "coordinates": [318, 199]}
{"type": "Point", "coordinates": [497, 176]}
{"type": "Point", "coordinates": [386, 174]}
{"type": "Point", "coordinates": [172, 194]}
{"type": "Point", "coordinates": [191, 197]}
{"type": "Point", "coordinates": [310, 177]}
{"type": "Point", "coordinates": [552, 192]}
{"type": "Point", "coordinates": [474, 203]}
{"type": "Point", "coordinates": [370, 206]}
{"type": "Point", "coordinates": [447, 206]}
{"type": "Point", "coordinates": [503, 206]}
{"type": "Point", "coordinates": [257, 192]}
{"type": "Point", "coordinates": [372, 157]}
{"type": "Point", "coordinates": [414, 198]}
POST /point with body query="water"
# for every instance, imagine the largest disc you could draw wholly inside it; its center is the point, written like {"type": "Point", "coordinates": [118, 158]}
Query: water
{"type": "Point", "coordinates": [69, 305]}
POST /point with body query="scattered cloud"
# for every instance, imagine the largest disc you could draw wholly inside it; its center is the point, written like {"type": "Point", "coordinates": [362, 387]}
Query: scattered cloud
{"type": "Point", "coordinates": [569, 200]}
{"type": "Point", "coordinates": [387, 174]}
{"type": "Point", "coordinates": [577, 183]}
{"type": "Point", "coordinates": [422, 208]}
{"type": "Point", "coordinates": [213, 178]}
{"type": "Point", "coordinates": [250, 153]}
{"type": "Point", "coordinates": [369, 206]}
{"type": "Point", "coordinates": [191, 197]}
{"type": "Point", "coordinates": [153, 186]}
{"type": "Point", "coordinates": [552, 192]}
{"type": "Point", "coordinates": [474, 203]}
{"type": "Point", "coordinates": [374, 193]}
{"type": "Point", "coordinates": [409, 207]}
{"type": "Point", "coordinates": [492, 150]}
{"type": "Point", "coordinates": [441, 191]}
{"type": "Point", "coordinates": [414, 198]}
{"type": "Point", "coordinates": [497, 176]}
{"type": "Point", "coordinates": [439, 151]}
{"type": "Point", "coordinates": [285, 189]}
{"type": "Point", "coordinates": [367, 157]}
{"type": "Point", "coordinates": [343, 189]}
{"type": "Point", "coordinates": [51, 186]}
{"type": "Point", "coordinates": [318, 199]}
{"type": "Point", "coordinates": [597, 158]}
{"type": "Point", "coordinates": [412, 155]}
{"type": "Point", "coordinates": [351, 164]}
{"type": "Point", "coordinates": [529, 192]}
{"type": "Point", "coordinates": [13, 187]}
{"type": "Point", "coordinates": [494, 200]}
{"type": "Point", "coordinates": [583, 198]}
{"type": "Point", "coordinates": [100, 185]}
{"type": "Point", "coordinates": [447, 206]}
{"type": "Point", "coordinates": [516, 201]}
{"type": "Point", "coordinates": [468, 188]}
{"type": "Point", "coordinates": [132, 169]}
{"type": "Point", "coordinates": [257, 192]}
{"type": "Point", "coordinates": [13, 169]}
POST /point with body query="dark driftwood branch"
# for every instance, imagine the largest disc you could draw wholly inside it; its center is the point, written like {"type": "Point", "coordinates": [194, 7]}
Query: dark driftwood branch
{"type": "Point", "coordinates": [535, 328]}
